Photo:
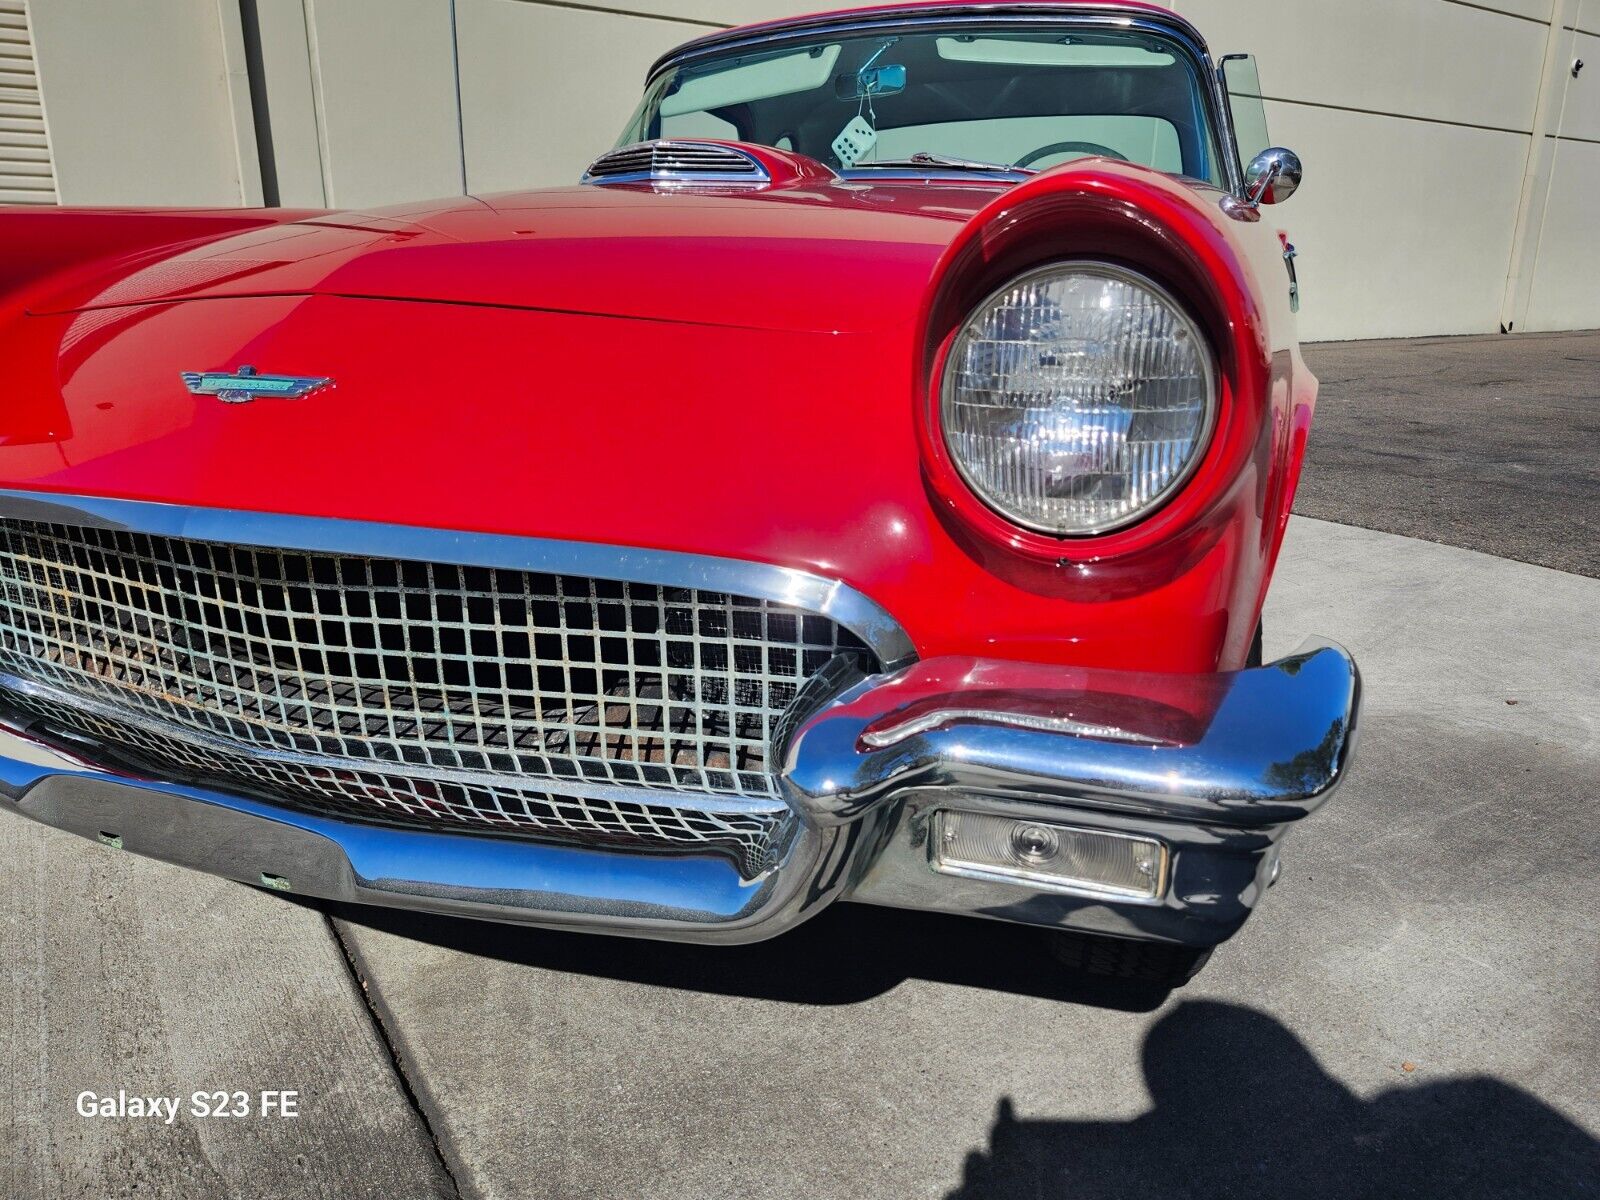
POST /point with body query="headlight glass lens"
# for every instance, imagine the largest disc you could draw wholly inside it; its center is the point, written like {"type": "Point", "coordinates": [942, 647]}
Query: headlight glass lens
{"type": "Point", "coordinates": [1077, 398]}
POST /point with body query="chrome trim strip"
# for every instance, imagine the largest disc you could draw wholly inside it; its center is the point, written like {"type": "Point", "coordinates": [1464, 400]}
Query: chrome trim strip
{"type": "Point", "coordinates": [1108, 16]}
{"type": "Point", "coordinates": [1225, 112]}
{"type": "Point", "coordinates": [830, 598]}
{"type": "Point", "coordinates": [675, 897]}
{"type": "Point", "coordinates": [878, 739]}
{"type": "Point", "coordinates": [999, 179]}
{"type": "Point", "coordinates": [1270, 744]}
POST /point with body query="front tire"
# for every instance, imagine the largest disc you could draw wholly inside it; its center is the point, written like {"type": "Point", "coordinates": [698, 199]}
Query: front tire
{"type": "Point", "coordinates": [1158, 963]}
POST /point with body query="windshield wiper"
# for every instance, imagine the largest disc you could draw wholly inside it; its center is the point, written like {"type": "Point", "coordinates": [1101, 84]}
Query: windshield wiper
{"type": "Point", "coordinates": [926, 158]}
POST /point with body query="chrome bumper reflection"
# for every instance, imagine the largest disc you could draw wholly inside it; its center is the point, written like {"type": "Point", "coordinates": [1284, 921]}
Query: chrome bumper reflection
{"type": "Point", "coordinates": [1218, 767]}
{"type": "Point", "coordinates": [688, 897]}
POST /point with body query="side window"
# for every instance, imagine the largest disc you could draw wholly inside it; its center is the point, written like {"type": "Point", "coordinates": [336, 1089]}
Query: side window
{"type": "Point", "coordinates": [1243, 82]}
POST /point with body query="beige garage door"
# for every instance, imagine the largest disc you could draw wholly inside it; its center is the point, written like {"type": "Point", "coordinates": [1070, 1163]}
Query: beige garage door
{"type": "Point", "coordinates": [26, 175]}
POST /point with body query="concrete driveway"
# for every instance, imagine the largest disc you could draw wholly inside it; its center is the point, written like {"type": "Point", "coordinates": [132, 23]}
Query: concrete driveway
{"type": "Point", "coordinates": [1412, 1012]}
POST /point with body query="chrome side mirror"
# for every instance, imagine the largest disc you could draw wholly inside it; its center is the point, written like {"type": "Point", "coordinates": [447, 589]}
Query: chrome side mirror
{"type": "Point", "coordinates": [1272, 176]}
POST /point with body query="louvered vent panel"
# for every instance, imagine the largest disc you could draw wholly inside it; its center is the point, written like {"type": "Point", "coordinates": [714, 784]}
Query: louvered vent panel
{"type": "Point", "coordinates": [668, 161]}
{"type": "Point", "coordinates": [26, 173]}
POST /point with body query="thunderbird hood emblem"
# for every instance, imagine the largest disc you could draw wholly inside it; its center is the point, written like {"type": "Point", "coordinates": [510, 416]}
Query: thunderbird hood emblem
{"type": "Point", "coordinates": [245, 385]}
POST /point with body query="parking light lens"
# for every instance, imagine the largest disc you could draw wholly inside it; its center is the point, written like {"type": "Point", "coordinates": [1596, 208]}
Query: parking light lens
{"type": "Point", "coordinates": [1045, 853]}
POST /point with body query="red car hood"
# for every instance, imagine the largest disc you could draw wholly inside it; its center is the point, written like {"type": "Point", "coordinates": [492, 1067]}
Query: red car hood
{"type": "Point", "coordinates": [731, 375]}
{"type": "Point", "coordinates": [832, 258]}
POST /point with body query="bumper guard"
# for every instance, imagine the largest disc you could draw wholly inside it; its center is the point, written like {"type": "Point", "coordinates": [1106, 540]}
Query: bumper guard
{"type": "Point", "coordinates": [1218, 767]}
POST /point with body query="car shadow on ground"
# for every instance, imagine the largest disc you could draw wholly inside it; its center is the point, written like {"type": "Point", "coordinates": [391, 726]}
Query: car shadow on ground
{"type": "Point", "coordinates": [1240, 1107]}
{"type": "Point", "coordinates": [845, 955]}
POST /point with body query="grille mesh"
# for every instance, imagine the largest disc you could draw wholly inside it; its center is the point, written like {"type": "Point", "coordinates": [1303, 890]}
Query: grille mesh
{"type": "Point", "coordinates": [753, 834]}
{"type": "Point", "coordinates": [423, 693]}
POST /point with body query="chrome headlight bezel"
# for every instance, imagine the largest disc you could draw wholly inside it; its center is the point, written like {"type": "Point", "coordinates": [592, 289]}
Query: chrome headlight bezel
{"type": "Point", "coordinates": [1202, 439]}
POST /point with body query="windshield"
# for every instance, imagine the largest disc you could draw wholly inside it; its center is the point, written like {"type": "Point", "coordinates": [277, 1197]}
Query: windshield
{"type": "Point", "coordinates": [968, 96]}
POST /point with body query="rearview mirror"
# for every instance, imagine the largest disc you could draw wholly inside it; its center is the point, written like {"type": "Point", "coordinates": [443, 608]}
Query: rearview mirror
{"type": "Point", "coordinates": [1272, 176]}
{"type": "Point", "coordinates": [871, 82]}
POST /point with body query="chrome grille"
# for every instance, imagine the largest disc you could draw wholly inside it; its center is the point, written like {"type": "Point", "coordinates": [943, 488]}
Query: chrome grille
{"type": "Point", "coordinates": [420, 692]}
{"type": "Point", "coordinates": [668, 160]}
{"type": "Point", "coordinates": [753, 833]}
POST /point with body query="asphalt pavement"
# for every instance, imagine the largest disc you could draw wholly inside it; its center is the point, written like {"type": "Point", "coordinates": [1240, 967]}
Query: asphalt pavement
{"type": "Point", "coordinates": [1492, 443]}
{"type": "Point", "coordinates": [1411, 1012]}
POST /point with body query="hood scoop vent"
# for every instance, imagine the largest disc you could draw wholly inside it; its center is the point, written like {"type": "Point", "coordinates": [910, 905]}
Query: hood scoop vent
{"type": "Point", "coordinates": [665, 161]}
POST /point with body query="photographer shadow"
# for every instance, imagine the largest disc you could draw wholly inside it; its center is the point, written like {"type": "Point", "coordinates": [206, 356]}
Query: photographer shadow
{"type": "Point", "coordinates": [1241, 1108]}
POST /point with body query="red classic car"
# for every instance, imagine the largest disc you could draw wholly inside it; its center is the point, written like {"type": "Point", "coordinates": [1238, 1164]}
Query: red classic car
{"type": "Point", "coordinates": [863, 485]}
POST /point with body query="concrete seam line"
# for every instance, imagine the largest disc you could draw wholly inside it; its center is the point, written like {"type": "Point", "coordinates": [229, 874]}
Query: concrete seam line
{"type": "Point", "coordinates": [318, 113]}
{"type": "Point", "coordinates": [1544, 335]}
{"type": "Point", "coordinates": [1499, 12]}
{"type": "Point", "coordinates": [1533, 196]}
{"type": "Point", "coordinates": [1378, 112]}
{"type": "Point", "coordinates": [1296, 512]}
{"type": "Point", "coordinates": [629, 12]}
{"type": "Point", "coordinates": [381, 1021]}
{"type": "Point", "coordinates": [461, 115]}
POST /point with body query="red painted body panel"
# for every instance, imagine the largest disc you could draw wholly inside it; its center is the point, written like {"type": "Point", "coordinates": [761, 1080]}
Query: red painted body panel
{"type": "Point", "coordinates": [743, 374]}
{"type": "Point", "coordinates": [827, 257]}
{"type": "Point", "coordinates": [66, 243]}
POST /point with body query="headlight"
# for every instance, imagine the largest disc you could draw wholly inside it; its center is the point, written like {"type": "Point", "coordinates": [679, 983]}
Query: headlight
{"type": "Point", "coordinates": [1077, 398]}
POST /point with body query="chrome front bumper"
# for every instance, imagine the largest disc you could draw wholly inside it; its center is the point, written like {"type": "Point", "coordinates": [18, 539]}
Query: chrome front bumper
{"type": "Point", "coordinates": [1217, 767]}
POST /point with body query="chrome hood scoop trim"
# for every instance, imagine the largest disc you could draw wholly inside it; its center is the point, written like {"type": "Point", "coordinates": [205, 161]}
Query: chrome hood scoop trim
{"type": "Point", "coordinates": [689, 162]}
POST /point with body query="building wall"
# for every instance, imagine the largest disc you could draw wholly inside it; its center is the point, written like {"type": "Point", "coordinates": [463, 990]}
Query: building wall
{"type": "Point", "coordinates": [1562, 263]}
{"type": "Point", "coordinates": [143, 101]}
{"type": "Point", "coordinates": [1452, 159]}
{"type": "Point", "coordinates": [26, 173]}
